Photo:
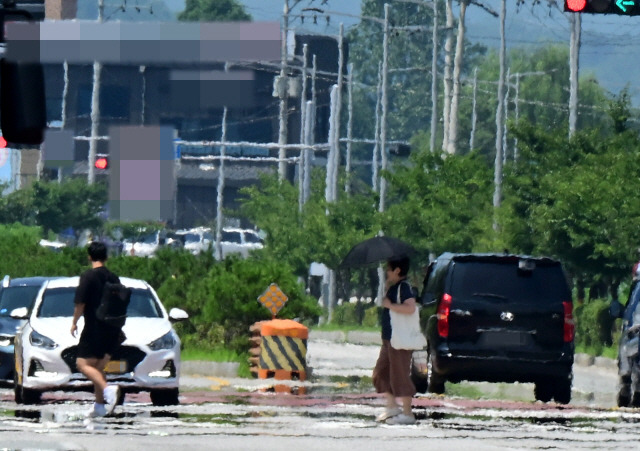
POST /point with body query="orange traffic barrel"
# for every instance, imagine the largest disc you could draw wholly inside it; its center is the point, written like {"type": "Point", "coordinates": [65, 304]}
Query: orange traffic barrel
{"type": "Point", "coordinates": [283, 350]}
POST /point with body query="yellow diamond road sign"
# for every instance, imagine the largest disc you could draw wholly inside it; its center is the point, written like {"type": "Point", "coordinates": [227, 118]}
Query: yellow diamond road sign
{"type": "Point", "coordinates": [273, 298]}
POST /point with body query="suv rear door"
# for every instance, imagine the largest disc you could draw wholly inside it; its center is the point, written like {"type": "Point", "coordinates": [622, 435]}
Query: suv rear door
{"type": "Point", "coordinates": [511, 306]}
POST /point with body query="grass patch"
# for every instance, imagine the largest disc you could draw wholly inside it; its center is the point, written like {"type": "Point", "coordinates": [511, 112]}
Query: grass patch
{"type": "Point", "coordinates": [219, 355]}
{"type": "Point", "coordinates": [610, 352]}
{"type": "Point", "coordinates": [345, 328]}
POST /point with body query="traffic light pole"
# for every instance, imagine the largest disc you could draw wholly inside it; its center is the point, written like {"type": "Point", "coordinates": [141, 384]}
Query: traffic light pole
{"type": "Point", "coordinates": [574, 54]}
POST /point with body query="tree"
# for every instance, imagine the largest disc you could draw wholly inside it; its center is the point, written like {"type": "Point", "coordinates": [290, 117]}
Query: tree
{"type": "Point", "coordinates": [55, 206]}
{"type": "Point", "coordinates": [214, 11]}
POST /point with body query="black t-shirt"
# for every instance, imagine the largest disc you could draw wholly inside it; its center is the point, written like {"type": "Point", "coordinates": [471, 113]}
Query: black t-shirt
{"type": "Point", "coordinates": [89, 291]}
{"type": "Point", "coordinates": [392, 293]}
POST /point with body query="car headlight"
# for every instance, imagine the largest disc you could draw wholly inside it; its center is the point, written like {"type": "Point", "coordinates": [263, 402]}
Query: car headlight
{"type": "Point", "coordinates": [167, 341]}
{"type": "Point", "coordinates": [41, 341]}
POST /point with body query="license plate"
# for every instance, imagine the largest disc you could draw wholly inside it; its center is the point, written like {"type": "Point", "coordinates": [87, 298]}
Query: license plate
{"type": "Point", "coordinates": [116, 366]}
{"type": "Point", "coordinates": [504, 338]}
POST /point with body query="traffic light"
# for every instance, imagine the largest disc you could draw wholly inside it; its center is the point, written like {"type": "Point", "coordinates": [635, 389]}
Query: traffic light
{"type": "Point", "coordinates": [620, 7]}
{"type": "Point", "coordinates": [101, 163]}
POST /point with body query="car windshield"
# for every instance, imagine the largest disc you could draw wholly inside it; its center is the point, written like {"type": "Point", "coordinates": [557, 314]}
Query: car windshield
{"type": "Point", "coordinates": [15, 297]}
{"type": "Point", "coordinates": [192, 238]}
{"type": "Point", "coordinates": [251, 237]}
{"type": "Point", "coordinates": [231, 237]}
{"type": "Point", "coordinates": [503, 282]}
{"type": "Point", "coordinates": [58, 302]}
{"type": "Point", "coordinates": [149, 239]}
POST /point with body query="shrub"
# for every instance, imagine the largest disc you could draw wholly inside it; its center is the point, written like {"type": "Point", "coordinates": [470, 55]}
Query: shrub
{"type": "Point", "coordinates": [593, 324]}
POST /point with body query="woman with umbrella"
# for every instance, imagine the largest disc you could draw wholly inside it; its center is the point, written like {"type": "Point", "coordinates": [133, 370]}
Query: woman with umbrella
{"type": "Point", "coordinates": [391, 374]}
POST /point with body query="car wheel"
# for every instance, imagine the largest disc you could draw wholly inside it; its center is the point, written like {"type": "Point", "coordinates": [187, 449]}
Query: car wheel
{"type": "Point", "coordinates": [623, 398]}
{"type": "Point", "coordinates": [543, 391]}
{"type": "Point", "coordinates": [419, 373]}
{"type": "Point", "coordinates": [165, 397]}
{"type": "Point", "coordinates": [435, 382]}
{"type": "Point", "coordinates": [26, 395]}
{"type": "Point", "coordinates": [563, 390]}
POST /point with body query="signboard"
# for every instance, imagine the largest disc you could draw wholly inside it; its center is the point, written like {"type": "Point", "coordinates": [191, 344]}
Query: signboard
{"type": "Point", "coordinates": [273, 299]}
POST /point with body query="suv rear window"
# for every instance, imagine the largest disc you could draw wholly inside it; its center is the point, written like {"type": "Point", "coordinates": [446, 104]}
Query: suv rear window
{"type": "Point", "coordinates": [505, 282]}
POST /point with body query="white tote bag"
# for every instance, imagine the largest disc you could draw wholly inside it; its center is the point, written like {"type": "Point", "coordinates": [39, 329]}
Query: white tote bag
{"type": "Point", "coordinates": [405, 329]}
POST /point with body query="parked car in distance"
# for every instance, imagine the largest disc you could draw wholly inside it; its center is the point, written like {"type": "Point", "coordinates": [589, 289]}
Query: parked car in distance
{"type": "Point", "coordinates": [239, 241]}
{"type": "Point", "coordinates": [196, 240]}
{"type": "Point", "coordinates": [499, 318]}
{"type": "Point", "coordinates": [45, 350]}
{"type": "Point", "coordinates": [14, 293]}
{"type": "Point", "coordinates": [628, 348]}
{"type": "Point", "coordinates": [148, 244]}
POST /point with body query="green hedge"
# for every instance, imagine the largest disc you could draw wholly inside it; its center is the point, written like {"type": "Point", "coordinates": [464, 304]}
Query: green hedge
{"type": "Point", "coordinates": [594, 324]}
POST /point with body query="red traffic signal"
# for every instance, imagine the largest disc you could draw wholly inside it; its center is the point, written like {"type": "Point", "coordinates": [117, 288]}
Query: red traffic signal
{"type": "Point", "coordinates": [621, 7]}
{"type": "Point", "coordinates": [3, 142]}
{"type": "Point", "coordinates": [575, 5]}
{"type": "Point", "coordinates": [101, 163]}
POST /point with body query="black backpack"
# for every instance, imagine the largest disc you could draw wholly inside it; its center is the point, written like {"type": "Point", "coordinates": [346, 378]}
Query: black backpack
{"type": "Point", "coordinates": [113, 304]}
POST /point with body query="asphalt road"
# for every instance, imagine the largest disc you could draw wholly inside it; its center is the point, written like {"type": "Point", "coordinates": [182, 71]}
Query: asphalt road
{"type": "Point", "coordinates": [334, 410]}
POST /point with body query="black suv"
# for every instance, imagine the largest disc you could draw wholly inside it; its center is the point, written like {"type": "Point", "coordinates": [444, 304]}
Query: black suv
{"type": "Point", "coordinates": [500, 318]}
{"type": "Point", "coordinates": [628, 347]}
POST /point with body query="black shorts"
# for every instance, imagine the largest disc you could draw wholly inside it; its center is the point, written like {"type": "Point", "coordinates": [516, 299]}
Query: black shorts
{"type": "Point", "coordinates": [98, 341]}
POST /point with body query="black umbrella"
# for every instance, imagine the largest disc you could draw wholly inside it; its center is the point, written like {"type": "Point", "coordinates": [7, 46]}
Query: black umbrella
{"type": "Point", "coordinates": [377, 249]}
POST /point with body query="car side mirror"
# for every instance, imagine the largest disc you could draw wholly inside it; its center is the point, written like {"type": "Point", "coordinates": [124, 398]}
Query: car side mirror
{"type": "Point", "coordinates": [19, 313]}
{"type": "Point", "coordinates": [616, 309]}
{"type": "Point", "coordinates": [176, 314]}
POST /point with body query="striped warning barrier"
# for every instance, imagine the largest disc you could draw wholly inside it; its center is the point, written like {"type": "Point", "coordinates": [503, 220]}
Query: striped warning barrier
{"type": "Point", "coordinates": [283, 350]}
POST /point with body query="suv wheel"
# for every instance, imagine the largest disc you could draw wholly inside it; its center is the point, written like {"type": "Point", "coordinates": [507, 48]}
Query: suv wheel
{"type": "Point", "coordinates": [623, 398]}
{"type": "Point", "coordinates": [563, 390]}
{"type": "Point", "coordinates": [164, 397]}
{"type": "Point", "coordinates": [543, 391]}
{"type": "Point", "coordinates": [435, 382]}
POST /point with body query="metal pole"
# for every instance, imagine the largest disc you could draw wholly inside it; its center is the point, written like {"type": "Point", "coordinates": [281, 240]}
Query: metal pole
{"type": "Point", "coordinates": [574, 63]}
{"type": "Point", "coordinates": [452, 140]}
{"type": "Point", "coordinates": [385, 102]}
{"type": "Point", "coordinates": [517, 115]}
{"type": "Point", "coordinates": [474, 114]}
{"type": "Point", "coordinates": [309, 122]}
{"type": "Point", "coordinates": [303, 104]}
{"type": "Point", "coordinates": [339, 106]}
{"type": "Point", "coordinates": [497, 176]}
{"type": "Point", "coordinates": [65, 92]}
{"type": "Point", "coordinates": [434, 79]}
{"type": "Point", "coordinates": [505, 147]}
{"type": "Point", "coordinates": [220, 194]}
{"type": "Point", "coordinates": [283, 129]}
{"type": "Point", "coordinates": [329, 192]}
{"type": "Point", "coordinates": [446, 108]}
{"type": "Point", "coordinates": [95, 109]}
{"type": "Point", "coordinates": [376, 147]}
{"type": "Point", "coordinates": [347, 168]}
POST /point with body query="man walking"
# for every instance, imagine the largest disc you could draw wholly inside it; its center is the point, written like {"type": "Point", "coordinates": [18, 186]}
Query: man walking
{"type": "Point", "coordinates": [98, 340]}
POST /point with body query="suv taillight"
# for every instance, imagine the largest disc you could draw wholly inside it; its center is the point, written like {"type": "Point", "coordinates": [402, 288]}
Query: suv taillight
{"type": "Point", "coordinates": [569, 326]}
{"type": "Point", "coordinates": [443, 315]}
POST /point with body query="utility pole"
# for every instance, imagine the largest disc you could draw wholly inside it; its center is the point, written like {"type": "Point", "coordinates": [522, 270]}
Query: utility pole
{"type": "Point", "coordinates": [457, 68]}
{"type": "Point", "coordinates": [95, 109]}
{"type": "Point", "coordinates": [376, 147]}
{"type": "Point", "coordinates": [220, 194]}
{"type": "Point", "coordinates": [474, 114]}
{"type": "Point", "coordinates": [446, 108]}
{"type": "Point", "coordinates": [303, 105]}
{"type": "Point", "coordinates": [384, 106]}
{"type": "Point", "coordinates": [574, 64]}
{"type": "Point", "coordinates": [347, 167]}
{"type": "Point", "coordinates": [283, 83]}
{"type": "Point", "coordinates": [497, 176]}
{"type": "Point", "coordinates": [434, 79]}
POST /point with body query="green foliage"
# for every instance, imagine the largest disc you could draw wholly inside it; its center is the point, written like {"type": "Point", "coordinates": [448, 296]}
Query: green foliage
{"type": "Point", "coordinates": [593, 325]}
{"type": "Point", "coordinates": [55, 206]}
{"type": "Point", "coordinates": [214, 10]}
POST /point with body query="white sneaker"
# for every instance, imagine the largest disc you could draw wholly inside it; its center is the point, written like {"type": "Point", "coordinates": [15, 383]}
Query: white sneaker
{"type": "Point", "coordinates": [402, 419]}
{"type": "Point", "coordinates": [111, 395]}
{"type": "Point", "coordinates": [98, 410]}
{"type": "Point", "coordinates": [388, 413]}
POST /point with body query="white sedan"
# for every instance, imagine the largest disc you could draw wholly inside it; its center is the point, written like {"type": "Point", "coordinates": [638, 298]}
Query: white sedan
{"type": "Point", "coordinates": [45, 350]}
